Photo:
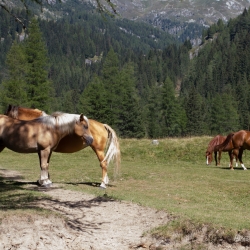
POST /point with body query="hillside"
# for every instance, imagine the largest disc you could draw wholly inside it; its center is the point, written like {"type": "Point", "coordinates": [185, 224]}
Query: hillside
{"type": "Point", "coordinates": [184, 19]}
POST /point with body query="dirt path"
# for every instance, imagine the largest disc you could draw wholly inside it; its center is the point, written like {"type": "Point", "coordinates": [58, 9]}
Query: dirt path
{"type": "Point", "coordinates": [91, 223]}
{"type": "Point", "coordinates": [84, 222]}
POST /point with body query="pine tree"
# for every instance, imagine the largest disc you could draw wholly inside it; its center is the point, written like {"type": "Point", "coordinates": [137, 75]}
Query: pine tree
{"type": "Point", "coordinates": [194, 112]}
{"type": "Point", "coordinates": [217, 115]}
{"type": "Point", "coordinates": [39, 87]}
{"type": "Point", "coordinates": [129, 119]}
{"type": "Point", "coordinates": [172, 111]}
{"type": "Point", "coordinates": [14, 87]}
{"type": "Point", "coordinates": [110, 76]}
{"type": "Point", "coordinates": [93, 101]}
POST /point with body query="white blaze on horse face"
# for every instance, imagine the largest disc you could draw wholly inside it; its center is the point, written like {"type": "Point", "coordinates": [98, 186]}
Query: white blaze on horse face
{"type": "Point", "coordinates": [207, 161]}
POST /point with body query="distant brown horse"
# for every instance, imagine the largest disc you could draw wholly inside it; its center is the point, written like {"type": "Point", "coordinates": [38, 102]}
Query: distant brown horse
{"type": "Point", "coordinates": [218, 139]}
{"type": "Point", "coordinates": [236, 142]}
{"type": "Point", "coordinates": [104, 137]}
{"type": "Point", "coordinates": [41, 136]}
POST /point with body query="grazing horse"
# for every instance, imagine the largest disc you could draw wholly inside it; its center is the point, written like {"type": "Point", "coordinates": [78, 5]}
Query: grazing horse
{"type": "Point", "coordinates": [236, 142]}
{"type": "Point", "coordinates": [104, 137]}
{"type": "Point", "coordinates": [218, 139]}
{"type": "Point", "coordinates": [41, 136]}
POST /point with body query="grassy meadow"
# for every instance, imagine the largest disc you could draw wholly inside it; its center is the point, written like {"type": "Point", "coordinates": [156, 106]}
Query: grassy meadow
{"type": "Point", "coordinates": [172, 176]}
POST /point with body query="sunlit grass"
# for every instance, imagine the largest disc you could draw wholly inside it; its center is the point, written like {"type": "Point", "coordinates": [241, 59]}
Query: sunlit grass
{"type": "Point", "coordinates": [171, 176]}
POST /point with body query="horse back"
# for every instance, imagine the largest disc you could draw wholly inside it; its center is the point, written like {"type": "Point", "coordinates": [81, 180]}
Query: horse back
{"type": "Point", "coordinates": [25, 136]}
{"type": "Point", "coordinates": [29, 114]}
{"type": "Point", "coordinates": [217, 140]}
{"type": "Point", "coordinates": [242, 139]}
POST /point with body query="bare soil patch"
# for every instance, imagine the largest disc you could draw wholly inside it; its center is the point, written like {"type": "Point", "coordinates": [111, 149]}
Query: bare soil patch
{"type": "Point", "coordinates": [88, 222]}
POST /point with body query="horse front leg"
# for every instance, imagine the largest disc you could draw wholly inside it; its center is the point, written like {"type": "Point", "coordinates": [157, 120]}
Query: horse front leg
{"type": "Point", "coordinates": [215, 158]}
{"type": "Point", "coordinates": [44, 157]}
{"type": "Point", "coordinates": [219, 158]}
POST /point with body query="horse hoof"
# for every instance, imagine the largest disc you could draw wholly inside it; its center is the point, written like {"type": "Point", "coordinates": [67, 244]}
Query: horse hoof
{"type": "Point", "coordinates": [44, 183]}
{"type": "Point", "coordinates": [103, 185]}
{"type": "Point", "coordinates": [49, 185]}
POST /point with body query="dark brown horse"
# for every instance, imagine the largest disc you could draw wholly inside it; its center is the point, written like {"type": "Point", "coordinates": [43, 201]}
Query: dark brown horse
{"type": "Point", "coordinates": [104, 138]}
{"type": "Point", "coordinates": [41, 136]}
{"type": "Point", "coordinates": [236, 142]}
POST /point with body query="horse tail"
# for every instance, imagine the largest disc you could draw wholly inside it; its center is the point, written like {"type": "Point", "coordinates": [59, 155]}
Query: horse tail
{"type": "Point", "coordinates": [223, 145]}
{"type": "Point", "coordinates": [113, 151]}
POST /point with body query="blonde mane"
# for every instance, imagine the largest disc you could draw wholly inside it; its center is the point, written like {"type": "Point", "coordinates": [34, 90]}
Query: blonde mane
{"type": "Point", "coordinates": [63, 121]}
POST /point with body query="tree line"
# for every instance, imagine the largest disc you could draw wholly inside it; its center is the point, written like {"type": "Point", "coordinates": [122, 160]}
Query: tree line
{"type": "Point", "coordinates": [141, 85]}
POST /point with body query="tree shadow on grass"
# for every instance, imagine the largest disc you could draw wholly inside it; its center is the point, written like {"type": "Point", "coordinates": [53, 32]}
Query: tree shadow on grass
{"type": "Point", "coordinates": [19, 194]}
{"type": "Point", "coordinates": [14, 193]}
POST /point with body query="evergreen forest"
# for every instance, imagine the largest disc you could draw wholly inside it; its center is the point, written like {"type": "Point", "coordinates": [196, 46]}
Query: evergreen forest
{"type": "Point", "coordinates": [138, 79]}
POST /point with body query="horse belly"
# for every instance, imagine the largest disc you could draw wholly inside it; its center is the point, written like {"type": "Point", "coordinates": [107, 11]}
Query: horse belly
{"type": "Point", "coordinates": [70, 144]}
{"type": "Point", "coordinates": [22, 148]}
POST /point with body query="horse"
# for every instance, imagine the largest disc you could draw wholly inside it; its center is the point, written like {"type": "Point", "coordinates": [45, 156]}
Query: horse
{"type": "Point", "coordinates": [104, 138]}
{"type": "Point", "coordinates": [42, 136]}
{"type": "Point", "coordinates": [218, 139]}
{"type": "Point", "coordinates": [236, 142]}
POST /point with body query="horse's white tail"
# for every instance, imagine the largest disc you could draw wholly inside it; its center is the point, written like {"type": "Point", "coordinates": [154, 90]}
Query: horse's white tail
{"type": "Point", "coordinates": [113, 151]}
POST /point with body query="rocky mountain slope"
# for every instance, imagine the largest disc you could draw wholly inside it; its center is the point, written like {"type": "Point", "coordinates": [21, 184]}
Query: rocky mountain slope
{"type": "Point", "coordinates": [182, 18]}
{"type": "Point", "coordinates": [202, 11]}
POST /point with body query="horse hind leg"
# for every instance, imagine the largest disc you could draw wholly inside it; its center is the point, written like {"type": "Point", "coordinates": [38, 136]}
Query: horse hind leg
{"type": "Point", "coordinates": [105, 179]}
{"type": "Point", "coordinates": [240, 159]}
{"type": "Point", "coordinates": [103, 165]}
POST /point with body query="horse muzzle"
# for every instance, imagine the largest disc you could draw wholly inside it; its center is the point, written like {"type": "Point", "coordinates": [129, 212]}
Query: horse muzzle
{"type": "Point", "coordinates": [88, 139]}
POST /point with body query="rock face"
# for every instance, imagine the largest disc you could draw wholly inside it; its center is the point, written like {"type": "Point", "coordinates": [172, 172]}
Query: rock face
{"type": "Point", "coordinates": [201, 11]}
{"type": "Point", "coordinates": [184, 19]}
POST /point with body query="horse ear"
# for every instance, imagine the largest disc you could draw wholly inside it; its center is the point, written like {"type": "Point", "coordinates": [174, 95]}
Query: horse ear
{"type": "Point", "coordinates": [81, 117]}
{"type": "Point", "coordinates": [8, 109]}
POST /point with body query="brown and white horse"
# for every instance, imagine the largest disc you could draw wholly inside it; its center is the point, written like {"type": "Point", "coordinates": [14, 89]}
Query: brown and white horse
{"type": "Point", "coordinates": [42, 136]}
{"type": "Point", "coordinates": [104, 138]}
{"type": "Point", "coordinates": [236, 142]}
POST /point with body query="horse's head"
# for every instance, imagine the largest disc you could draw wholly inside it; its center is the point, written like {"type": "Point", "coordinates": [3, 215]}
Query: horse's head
{"type": "Point", "coordinates": [209, 157]}
{"type": "Point", "coordinates": [82, 129]}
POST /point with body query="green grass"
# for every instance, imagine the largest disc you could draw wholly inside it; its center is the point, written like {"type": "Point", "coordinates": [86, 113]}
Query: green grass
{"type": "Point", "coordinates": [171, 176]}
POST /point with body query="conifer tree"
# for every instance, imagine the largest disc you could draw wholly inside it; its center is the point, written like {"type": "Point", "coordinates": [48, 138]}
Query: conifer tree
{"type": "Point", "coordinates": [14, 88]}
{"type": "Point", "coordinates": [110, 76]}
{"type": "Point", "coordinates": [193, 108]}
{"type": "Point", "coordinates": [39, 89]}
{"type": "Point", "coordinates": [152, 113]}
{"type": "Point", "coordinates": [93, 101]}
{"type": "Point", "coordinates": [217, 115]}
{"type": "Point", "coordinates": [172, 111]}
{"type": "Point", "coordinates": [129, 116]}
